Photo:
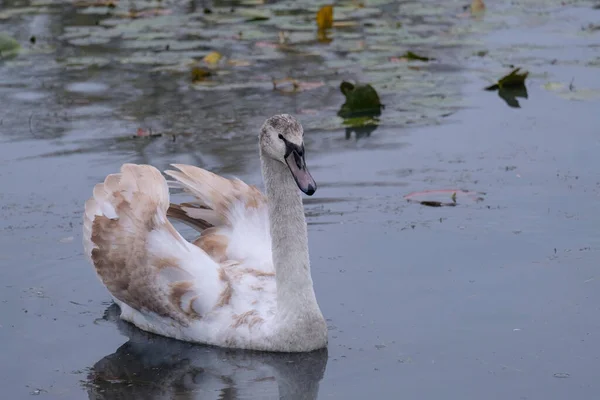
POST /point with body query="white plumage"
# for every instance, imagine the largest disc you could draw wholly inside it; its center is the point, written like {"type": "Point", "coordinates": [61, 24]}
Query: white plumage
{"type": "Point", "coordinates": [244, 283]}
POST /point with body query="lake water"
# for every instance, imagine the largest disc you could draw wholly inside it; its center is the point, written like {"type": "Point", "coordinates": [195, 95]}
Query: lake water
{"type": "Point", "coordinates": [495, 297]}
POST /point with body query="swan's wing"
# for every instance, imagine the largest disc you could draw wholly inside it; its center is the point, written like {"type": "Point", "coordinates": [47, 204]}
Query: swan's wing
{"type": "Point", "coordinates": [237, 212]}
{"type": "Point", "coordinates": [140, 257]}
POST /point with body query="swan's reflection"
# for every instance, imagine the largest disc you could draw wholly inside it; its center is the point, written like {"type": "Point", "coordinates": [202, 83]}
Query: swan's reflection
{"type": "Point", "coordinates": [153, 367]}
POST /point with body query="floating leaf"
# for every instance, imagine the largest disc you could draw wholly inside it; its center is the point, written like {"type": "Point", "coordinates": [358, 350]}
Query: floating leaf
{"type": "Point", "coordinates": [325, 17]}
{"type": "Point", "coordinates": [512, 80]}
{"type": "Point", "coordinates": [410, 56]}
{"type": "Point", "coordinates": [212, 57]}
{"type": "Point", "coordinates": [436, 198]}
{"type": "Point", "coordinates": [200, 74]}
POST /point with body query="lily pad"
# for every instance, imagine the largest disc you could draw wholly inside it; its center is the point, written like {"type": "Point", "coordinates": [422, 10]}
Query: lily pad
{"type": "Point", "coordinates": [361, 100]}
{"type": "Point", "coordinates": [325, 18]}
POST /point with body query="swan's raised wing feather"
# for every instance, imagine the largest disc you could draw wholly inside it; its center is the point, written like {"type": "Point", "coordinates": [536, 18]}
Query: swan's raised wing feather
{"type": "Point", "coordinates": [237, 211]}
{"type": "Point", "coordinates": [140, 257]}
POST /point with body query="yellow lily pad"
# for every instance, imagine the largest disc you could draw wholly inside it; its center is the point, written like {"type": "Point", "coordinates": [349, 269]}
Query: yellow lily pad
{"type": "Point", "coordinates": [212, 58]}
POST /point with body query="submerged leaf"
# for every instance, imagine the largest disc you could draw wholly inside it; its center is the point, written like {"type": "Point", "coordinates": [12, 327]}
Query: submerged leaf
{"type": "Point", "coordinates": [8, 45]}
{"type": "Point", "coordinates": [200, 74]}
{"type": "Point", "coordinates": [325, 17]}
{"type": "Point", "coordinates": [512, 80]}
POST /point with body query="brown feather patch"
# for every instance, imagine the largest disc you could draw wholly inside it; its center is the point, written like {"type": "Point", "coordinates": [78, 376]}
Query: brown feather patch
{"type": "Point", "coordinates": [226, 293]}
{"type": "Point", "coordinates": [122, 262]}
{"type": "Point", "coordinates": [176, 212]}
{"type": "Point", "coordinates": [216, 192]}
{"type": "Point", "coordinates": [214, 244]}
{"type": "Point", "coordinates": [249, 318]}
{"type": "Point", "coordinates": [180, 289]}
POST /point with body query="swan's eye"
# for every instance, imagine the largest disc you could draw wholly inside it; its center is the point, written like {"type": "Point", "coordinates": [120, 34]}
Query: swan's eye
{"type": "Point", "coordinates": [280, 136]}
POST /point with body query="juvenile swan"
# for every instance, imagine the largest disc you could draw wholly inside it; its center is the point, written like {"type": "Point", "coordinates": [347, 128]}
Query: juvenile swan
{"type": "Point", "coordinates": [244, 283]}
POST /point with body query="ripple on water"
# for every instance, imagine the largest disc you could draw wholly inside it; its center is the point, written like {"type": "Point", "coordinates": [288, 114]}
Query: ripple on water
{"type": "Point", "coordinates": [29, 96]}
{"type": "Point", "coordinates": [86, 87]}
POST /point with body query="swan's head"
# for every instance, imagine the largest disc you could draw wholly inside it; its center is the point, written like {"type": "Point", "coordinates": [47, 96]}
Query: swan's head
{"type": "Point", "coordinates": [282, 139]}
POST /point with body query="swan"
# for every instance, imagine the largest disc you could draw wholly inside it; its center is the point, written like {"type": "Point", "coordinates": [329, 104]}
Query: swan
{"type": "Point", "coordinates": [245, 282]}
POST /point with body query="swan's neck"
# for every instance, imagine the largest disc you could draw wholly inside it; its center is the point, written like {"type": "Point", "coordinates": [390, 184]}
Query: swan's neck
{"type": "Point", "coordinates": [295, 293]}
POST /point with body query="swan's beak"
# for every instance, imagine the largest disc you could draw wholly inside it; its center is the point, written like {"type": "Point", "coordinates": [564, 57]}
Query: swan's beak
{"type": "Point", "coordinates": [297, 166]}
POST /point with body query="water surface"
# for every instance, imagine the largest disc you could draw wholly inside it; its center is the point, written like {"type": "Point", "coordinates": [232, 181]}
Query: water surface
{"type": "Point", "coordinates": [496, 297]}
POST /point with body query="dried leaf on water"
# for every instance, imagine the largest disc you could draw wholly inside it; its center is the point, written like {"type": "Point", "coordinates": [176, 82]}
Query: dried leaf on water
{"type": "Point", "coordinates": [325, 17]}
{"type": "Point", "coordinates": [410, 56]}
{"type": "Point", "coordinates": [212, 58]}
{"type": "Point", "coordinates": [477, 6]}
{"type": "Point", "coordinates": [513, 80]}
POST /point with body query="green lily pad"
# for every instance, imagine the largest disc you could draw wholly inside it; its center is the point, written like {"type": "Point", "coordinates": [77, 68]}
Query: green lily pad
{"type": "Point", "coordinates": [362, 100]}
{"type": "Point", "coordinates": [513, 80]}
